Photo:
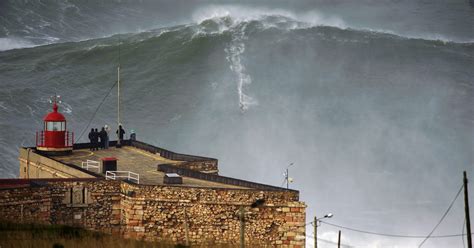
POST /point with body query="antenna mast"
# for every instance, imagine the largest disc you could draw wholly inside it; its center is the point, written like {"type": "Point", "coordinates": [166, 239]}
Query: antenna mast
{"type": "Point", "coordinates": [118, 97]}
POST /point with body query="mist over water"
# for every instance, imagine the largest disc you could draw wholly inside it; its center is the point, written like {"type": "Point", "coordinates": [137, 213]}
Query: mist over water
{"type": "Point", "coordinates": [376, 114]}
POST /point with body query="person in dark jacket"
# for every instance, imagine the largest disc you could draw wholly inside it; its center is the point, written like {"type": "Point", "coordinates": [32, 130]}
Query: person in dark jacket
{"type": "Point", "coordinates": [120, 132]}
{"type": "Point", "coordinates": [91, 139]}
{"type": "Point", "coordinates": [103, 138]}
{"type": "Point", "coordinates": [96, 139]}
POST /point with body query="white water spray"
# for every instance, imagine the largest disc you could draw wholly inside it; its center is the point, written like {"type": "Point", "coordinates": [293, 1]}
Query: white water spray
{"type": "Point", "coordinates": [234, 51]}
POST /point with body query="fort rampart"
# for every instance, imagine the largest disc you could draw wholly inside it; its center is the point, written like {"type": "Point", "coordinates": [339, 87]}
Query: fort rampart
{"type": "Point", "coordinates": [157, 212]}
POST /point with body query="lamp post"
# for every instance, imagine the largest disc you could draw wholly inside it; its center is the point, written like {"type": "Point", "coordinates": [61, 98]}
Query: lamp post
{"type": "Point", "coordinates": [315, 223]}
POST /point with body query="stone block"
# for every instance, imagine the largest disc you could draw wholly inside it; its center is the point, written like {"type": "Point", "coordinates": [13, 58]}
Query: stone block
{"type": "Point", "coordinates": [114, 222]}
{"type": "Point", "coordinates": [133, 222]}
{"type": "Point", "coordinates": [295, 210]}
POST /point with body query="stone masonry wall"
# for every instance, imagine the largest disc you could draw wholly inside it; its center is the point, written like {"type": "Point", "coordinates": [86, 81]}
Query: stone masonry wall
{"type": "Point", "coordinates": [91, 204]}
{"type": "Point", "coordinates": [100, 210]}
{"type": "Point", "coordinates": [160, 212]}
{"type": "Point", "coordinates": [201, 166]}
{"type": "Point", "coordinates": [27, 204]}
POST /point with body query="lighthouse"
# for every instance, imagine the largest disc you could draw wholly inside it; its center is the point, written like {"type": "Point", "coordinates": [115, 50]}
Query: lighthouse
{"type": "Point", "coordinates": [54, 138]}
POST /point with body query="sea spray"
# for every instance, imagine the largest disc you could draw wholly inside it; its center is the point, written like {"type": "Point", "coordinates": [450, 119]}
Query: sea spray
{"type": "Point", "coordinates": [234, 51]}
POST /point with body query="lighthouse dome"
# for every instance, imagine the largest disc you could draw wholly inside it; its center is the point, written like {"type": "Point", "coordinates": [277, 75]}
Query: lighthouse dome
{"type": "Point", "coordinates": [55, 115]}
{"type": "Point", "coordinates": [54, 138]}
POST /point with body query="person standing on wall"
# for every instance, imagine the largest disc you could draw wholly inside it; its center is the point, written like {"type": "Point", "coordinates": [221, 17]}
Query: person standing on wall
{"type": "Point", "coordinates": [95, 140]}
{"type": "Point", "coordinates": [91, 139]}
{"type": "Point", "coordinates": [120, 132]}
{"type": "Point", "coordinates": [107, 131]}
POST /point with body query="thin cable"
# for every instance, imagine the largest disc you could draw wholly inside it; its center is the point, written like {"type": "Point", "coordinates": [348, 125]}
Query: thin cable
{"type": "Point", "coordinates": [390, 235]}
{"type": "Point", "coordinates": [96, 110]}
{"type": "Point", "coordinates": [328, 241]}
{"type": "Point", "coordinates": [442, 218]}
{"type": "Point", "coordinates": [283, 183]}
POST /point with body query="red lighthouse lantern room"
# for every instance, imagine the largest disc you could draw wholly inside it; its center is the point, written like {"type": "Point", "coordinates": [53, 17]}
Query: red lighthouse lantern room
{"type": "Point", "coordinates": [54, 138]}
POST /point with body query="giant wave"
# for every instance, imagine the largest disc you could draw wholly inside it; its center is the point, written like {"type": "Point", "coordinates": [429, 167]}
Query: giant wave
{"type": "Point", "coordinates": [261, 89]}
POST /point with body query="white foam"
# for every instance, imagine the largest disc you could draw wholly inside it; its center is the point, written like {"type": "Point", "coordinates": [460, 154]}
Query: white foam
{"type": "Point", "coordinates": [245, 14]}
{"type": "Point", "coordinates": [300, 20]}
{"type": "Point", "coordinates": [97, 46]}
{"type": "Point", "coordinates": [66, 108]}
{"type": "Point", "coordinates": [3, 107]}
{"type": "Point", "coordinates": [13, 43]}
{"type": "Point", "coordinates": [234, 52]}
{"type": "Point", "coordinates": [237, 13]}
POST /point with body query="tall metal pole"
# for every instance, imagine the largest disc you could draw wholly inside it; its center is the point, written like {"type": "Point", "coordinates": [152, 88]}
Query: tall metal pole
{"type": "Point", "coordinates": [287, 179]}
{"type": "Point", "coordinates": [118, 95]}
{"type": "Point", "coordinates": [466, 209]}
{"type": "Point", "coordinates": [242, 227]}
{"type": "Point", "coordinates": [339, 240]}
{"type": "Point", "coordinates": [315, 232]}
{"type": "Point", "coordinates": [118, 103]}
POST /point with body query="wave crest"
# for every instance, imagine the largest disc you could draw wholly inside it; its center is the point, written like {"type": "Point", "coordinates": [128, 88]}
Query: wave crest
{"type": "Point", "coordinates": [14, 43]}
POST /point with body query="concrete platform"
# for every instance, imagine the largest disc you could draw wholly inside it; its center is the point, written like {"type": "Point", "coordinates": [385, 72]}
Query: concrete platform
{"type": "Point", "coordinates": [138, 161]}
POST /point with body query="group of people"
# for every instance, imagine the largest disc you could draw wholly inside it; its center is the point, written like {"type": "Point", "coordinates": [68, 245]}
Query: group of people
{"type": "Point", "coordinates": [100, 139]}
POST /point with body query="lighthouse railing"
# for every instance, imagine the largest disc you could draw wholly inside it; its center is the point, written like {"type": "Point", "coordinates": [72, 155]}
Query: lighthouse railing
{"type": "Point", "coordinates": [68, 139]}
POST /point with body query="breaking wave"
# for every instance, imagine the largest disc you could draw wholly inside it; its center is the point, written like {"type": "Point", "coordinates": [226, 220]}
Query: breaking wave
{"type": "Point", "coordinates": [59, 22]}
{"type": "Point", "coordinates": [252, 87]}
{"type": "Point", "coordinates": [12, 43]}
{"type": "Point", "coordinates": [230, 28]}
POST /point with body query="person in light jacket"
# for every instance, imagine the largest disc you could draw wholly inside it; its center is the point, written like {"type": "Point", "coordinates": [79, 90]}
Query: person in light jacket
{"type": "Point", "coordinates": [107, 131]}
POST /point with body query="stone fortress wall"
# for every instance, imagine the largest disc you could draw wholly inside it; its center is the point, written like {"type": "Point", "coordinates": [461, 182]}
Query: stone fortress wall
{"type": "Point", "coordinates": [54, 192]}
{"type": "Point", "coordinates": [157, 212]}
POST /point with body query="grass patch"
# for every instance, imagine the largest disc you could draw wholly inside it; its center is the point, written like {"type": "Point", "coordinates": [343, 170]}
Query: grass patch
{"type": "Point", "coordinates": [56, 236]}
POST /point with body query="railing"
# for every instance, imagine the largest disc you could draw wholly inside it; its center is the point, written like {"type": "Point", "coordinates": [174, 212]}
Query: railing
{"type": "Point", "coordinates": [169, 168]}
{"type": "Point", "coordinates": [131, 176]}
{"type": "Point", "coordinates": [91, 164]}
{"type": "Point", "coordinates": [55, 140]}
{"type": "Point", "coordinates": [40, 138]}
{"type": "Point", "coordinates": [169, 154]}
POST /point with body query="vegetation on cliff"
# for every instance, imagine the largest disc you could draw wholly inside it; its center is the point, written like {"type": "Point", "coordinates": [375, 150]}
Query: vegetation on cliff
{"type": "Point", "coordinates": [56, 236]}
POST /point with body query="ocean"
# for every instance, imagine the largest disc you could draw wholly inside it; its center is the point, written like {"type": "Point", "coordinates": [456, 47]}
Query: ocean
{"type": "Point", "coordinates": [373, 103]}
